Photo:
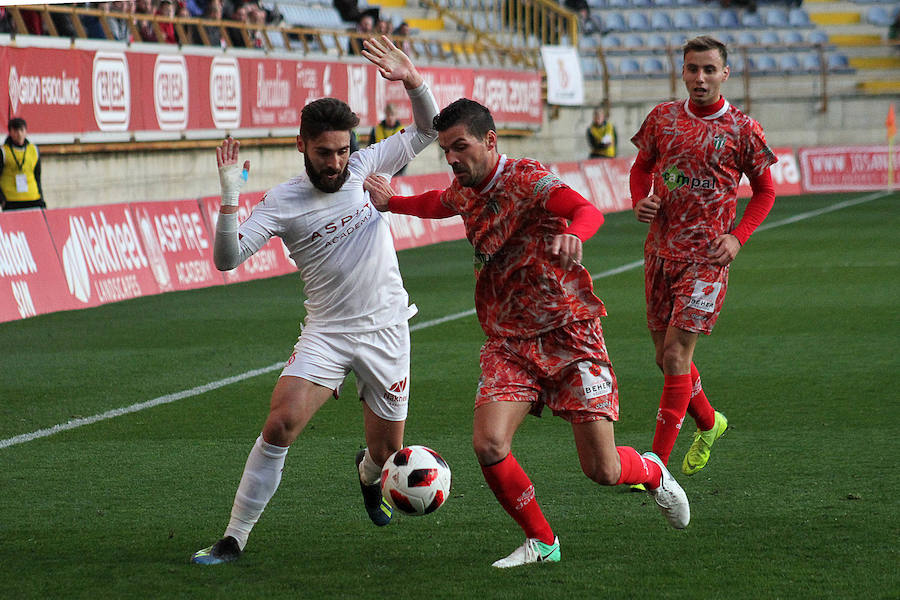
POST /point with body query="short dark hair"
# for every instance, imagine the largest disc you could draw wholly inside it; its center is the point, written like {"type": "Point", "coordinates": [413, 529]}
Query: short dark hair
{"type": "Point", "coordinates": [703, 43]}
{"type": "Point", "coordinates": [16, 123]}
{"type": "Point", "coordinates": [326, 114]}
{"type": "Point", "coordinates": [477, 118]}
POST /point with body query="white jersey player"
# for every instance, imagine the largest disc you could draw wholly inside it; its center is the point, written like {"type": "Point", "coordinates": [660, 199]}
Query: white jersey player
{"type": "Point", "coordinates": [356, 308]}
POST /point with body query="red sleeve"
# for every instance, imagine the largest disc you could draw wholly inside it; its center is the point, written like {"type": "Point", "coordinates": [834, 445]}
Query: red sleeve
{"type": "Point", "coordinates": [641, 179]}
{"type": "Point", "coordinates": [758, 207]}
{"type": "Point", "coordinates": [584, 216]}
{"type": "Point", "coordinates": [426, 206]}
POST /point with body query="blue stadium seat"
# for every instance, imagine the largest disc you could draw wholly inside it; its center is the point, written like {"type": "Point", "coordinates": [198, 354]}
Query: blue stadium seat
{"type": "Point", "coordinates": [641, 3]}
{"type": "Point", "coordinates": [611, 41]}
{"type": "Point", "coordinates": [792, 36]}
{"type": "Point", "coordinates": [751, 20]}
{"type": "Point", "coordinates": [746, 38]}
{"type": "Point", "coordinates": [614, 21]}
{"type": "Point", "coordinates": [839, 63]}
{"type": "Point", "coordinates": [763, 63]}
{"type": "Point", "coordinates": [661, 21]}
{"type": "Point", "coordinates": [879, 15]}
{"type": "Point", "coordinates": [629, 67]}
{"type": "Point", "coordinates": [789, 63]}
{"type": "Point", "coordinates": [618, 3]}
{"type": "Point", "coordinates": [799, 18]}
{"type": "Point", "coordinates": [638, 21]}
{"type": "Point", "coordinates": [633, 41]}
{"type": "Point", "coordinates": [817, 36]}
{"type": "Point", "coordinates": [683, 20]}
{"type": "Point", "coordinates": [811, 62]}
{"type": "Point", "coordinates": [777, 18]}
{"type": "Point", "coordinates": [653, 66]}
{"type": "Point", "coordinates": [728, 19]}
{"type": "Point", "coordinates": [770, 38]}
{"type": "Point", "coordinates": [590, 66]}
{"type": "Point", "coordinates": [657, 40]}
{"type": "Point", "coordinates": [706, 20]}
{"type": "Point", "coordinates": [736, 64]}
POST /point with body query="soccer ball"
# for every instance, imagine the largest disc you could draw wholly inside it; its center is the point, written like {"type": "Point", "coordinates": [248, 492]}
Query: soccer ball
{"type": "Point", "coordinates": [415, 480]}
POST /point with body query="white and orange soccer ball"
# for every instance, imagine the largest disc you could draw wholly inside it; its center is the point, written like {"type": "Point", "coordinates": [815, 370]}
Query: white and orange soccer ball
{"type": "Point", "coordinates": [415, 480]}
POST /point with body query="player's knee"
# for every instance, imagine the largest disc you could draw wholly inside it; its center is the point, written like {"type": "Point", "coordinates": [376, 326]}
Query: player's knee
{"type": "Point", "coordinates": [490, 450]}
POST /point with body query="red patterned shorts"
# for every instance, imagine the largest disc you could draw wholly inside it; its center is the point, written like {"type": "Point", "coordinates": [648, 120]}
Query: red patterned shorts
{"type": "Point", "coordinates": [566, 369]}
{"type": "Point", "coordinates": [685, 295]}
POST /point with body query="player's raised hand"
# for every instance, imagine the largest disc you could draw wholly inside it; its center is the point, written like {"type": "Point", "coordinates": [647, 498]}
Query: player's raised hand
{"type": "Point", "coordinates": [379, 189]}
{"type": "Point", "coordinates": [231, 177]}
{"type": "Point", "coordinates": [567, 248]}
{"type": "Point", "coordinates": [645, 209]}
{"type": "Point", "coordinates": [392, 62]}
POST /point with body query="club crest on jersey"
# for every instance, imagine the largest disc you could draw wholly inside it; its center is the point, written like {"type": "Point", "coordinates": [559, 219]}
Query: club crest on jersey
{"type": "Point", "coordinates": [675, 178]}
{"type": "Point", "coordinates": [719, 141]}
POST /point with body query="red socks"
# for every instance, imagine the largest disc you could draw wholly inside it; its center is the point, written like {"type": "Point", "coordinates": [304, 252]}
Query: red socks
{"type": "Point", "coordinates": [637, 469]}
{"type": "Point", "coordinates": [515, 492]}
{"type": "Point", "coordinates": [672, 407]}
{"type": "Point", "coordinates": [700, 408]}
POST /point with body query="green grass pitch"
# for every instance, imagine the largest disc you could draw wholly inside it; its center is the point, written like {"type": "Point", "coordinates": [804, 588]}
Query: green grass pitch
{"type": "Point", "coordinates": [800, 499]}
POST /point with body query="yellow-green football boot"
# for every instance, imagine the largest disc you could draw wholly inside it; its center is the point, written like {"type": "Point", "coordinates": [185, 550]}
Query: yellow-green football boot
{"type": "Point", "coordinates": [698, 454]}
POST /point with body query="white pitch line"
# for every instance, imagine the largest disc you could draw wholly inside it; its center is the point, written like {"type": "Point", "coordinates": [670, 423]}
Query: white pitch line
{"type": "Point", "coordinates": [214, 385]}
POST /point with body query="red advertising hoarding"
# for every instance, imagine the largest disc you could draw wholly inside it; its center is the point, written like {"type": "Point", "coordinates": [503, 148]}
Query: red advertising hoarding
{"type": "Point", "coordinates": [101, 254]}
{"type": "Point", "coordinates": [847, 168]}
{"type": "Point", "coordinates": [31, 280]}
{"type": "Point", "coordinates": [177, 243]}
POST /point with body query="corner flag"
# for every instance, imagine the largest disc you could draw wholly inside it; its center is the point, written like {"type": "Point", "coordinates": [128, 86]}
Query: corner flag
{"type": "Point", "coordinates": [891, 123]}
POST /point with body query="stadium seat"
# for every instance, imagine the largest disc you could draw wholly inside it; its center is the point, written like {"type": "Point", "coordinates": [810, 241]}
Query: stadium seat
{"type": "Point", "coordinates": [610, 42]}
{"type": "Point", "coordinates": [746, 38]}
{"type": "Point", "coordinates": [590, 66]}
{"type": "Point", "coordinates": [641, 3]}
{"type": "Point", "coordinates": [661, 21]}
{"type": "Point", "coordinates": [879, 16]}
{"type": "Point", "coordinates": [793, 37]}
{"type": "Point", "coordinates": [614, 21]}
{"type": "Point", "coordinates": [769, 38]}
{"type": "Point", "coordinates": [839, 63]}
{"type": "Point", "coordinates": [763, 63]}
{"type": "Point", "coordinates": [817, 36]}
{"type": "Point", "coordinates": [777, 18]}
{"type": "Point", "coordinates": [789, 63]}
{"type": "Point", "coordinates": [638, 21]}
{"type": "Point", "coordinates": [736, 64]}
{"type": "Point", "coordinates": [799, 18]}
{"type": "Point", "coordinates": [618, 3]}
{"type": "Point", "coordinates": [728, 19]}
{"type": "Point", "coordinates": [751, 20]}
{"type": "Point", "coordinates": [633, 41]}
{"type": "Point", "coordinates": [706, 20]}
{"type": "Point", "coordinates": [683, 20]}
{"type": "Point", "coordinates": [657, 40]}
{"type": "Point", "coordinates": [653, 66]}
{"type": "Point", "coordinates": [811, 63]}
{"type": "Point", "coordinates": [629, 67]}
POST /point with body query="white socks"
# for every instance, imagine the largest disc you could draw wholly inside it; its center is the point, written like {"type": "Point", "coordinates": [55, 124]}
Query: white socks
{"type": "Point", "coordinates": [261, 477]}
{"type": "Point", "coordinates": [369, 472]}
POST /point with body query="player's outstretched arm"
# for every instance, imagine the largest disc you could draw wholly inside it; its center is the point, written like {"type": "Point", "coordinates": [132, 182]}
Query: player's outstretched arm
{"type": "Point", "coordinates": [226, 248]}
{"type": "Point", "coordinates": [392, 62]}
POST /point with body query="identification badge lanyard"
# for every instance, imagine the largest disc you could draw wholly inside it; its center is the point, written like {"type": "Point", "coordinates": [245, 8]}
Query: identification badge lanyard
{"type": "Point", "coordinates": [21, 179]}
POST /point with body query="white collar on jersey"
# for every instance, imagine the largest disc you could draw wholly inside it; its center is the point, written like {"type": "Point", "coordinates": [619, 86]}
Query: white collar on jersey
{"type": "Point", "coordinates": [500, 165]}
{"type": "Point", "coordinates": [715, 115]}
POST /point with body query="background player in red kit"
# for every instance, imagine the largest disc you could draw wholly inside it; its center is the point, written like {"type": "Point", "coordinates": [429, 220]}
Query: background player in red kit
{"type": "Point", "coordinates": [536, 304]}
{"type": "Point", "coordinates": [692, 154]}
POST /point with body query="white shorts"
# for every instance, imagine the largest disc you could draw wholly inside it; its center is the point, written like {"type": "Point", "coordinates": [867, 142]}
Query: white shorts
{"type": "Point", "coordinates": [380, 360]}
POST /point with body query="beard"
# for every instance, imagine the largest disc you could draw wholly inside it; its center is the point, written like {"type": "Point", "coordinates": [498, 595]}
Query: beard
{"type": "Point", "coordinates": [317, 178]}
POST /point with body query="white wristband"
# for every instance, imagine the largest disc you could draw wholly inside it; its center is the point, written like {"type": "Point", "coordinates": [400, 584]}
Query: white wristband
{"type": "Point", "coordinates": [231, 179]}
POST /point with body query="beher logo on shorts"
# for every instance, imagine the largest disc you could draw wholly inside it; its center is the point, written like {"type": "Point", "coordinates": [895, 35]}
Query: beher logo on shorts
{"type": "Point", "coordinates": [111, 89]}
{"type": "Point", "coordinates": [705, 295]}
{"type": "Point", "coordinates": [170, 92]}
{"type": "Point", "coordinates": [675, 178]}
{"type": "Point", "coordinates": [596, 380]}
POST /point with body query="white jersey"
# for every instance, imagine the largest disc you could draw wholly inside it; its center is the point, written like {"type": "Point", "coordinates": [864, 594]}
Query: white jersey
{"type": "Point", "coordinates": [340, 243]}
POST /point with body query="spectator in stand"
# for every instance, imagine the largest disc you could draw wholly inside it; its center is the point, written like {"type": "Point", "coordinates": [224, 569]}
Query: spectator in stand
{"type": "Point", "coordinates": [145, 28]}
{"type": "Point", "coordinates": [348, 9]}
{"type": "Point", "coordinates": [402, 33]}
{"type": "Point", "coordinates": [214, 9]}
{"type": "Point", "coordinates": [386, 128]}
{"type": "Point", "coordinates": [384, 27]}
{"type": "Point", "coordinates": [894, 31]}
{"type": "Point", "coordinates": [366, 28]}
{"type": "Point", "coordinates": [192, 37]}
{"type": "Point", "coordinates": [197, 8]}
{"type": "Point", "coordinates": [6, 25]}
{"type": "Point", "coordinates": [166, 10]}
{"type": "Point", "coordinates": [588, 23]}
{"type": "Point", "coordinates": [20, 170]}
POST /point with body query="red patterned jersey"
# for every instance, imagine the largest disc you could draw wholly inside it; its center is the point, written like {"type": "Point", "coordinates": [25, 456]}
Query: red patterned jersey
{"type": "Point", "coordinates": [521, 291]}
{"type": "Point", "coordinates": [698, 162]}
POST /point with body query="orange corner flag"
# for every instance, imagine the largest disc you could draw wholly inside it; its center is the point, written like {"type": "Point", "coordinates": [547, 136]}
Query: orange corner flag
{"type": "Point", "coordinates": [891, 123]}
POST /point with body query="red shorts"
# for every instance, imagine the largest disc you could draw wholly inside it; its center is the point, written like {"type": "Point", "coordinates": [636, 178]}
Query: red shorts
{"type": "Point", "coordinates": [567, 369]}
{"type": "Point", "coordinates": [685, 295]}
